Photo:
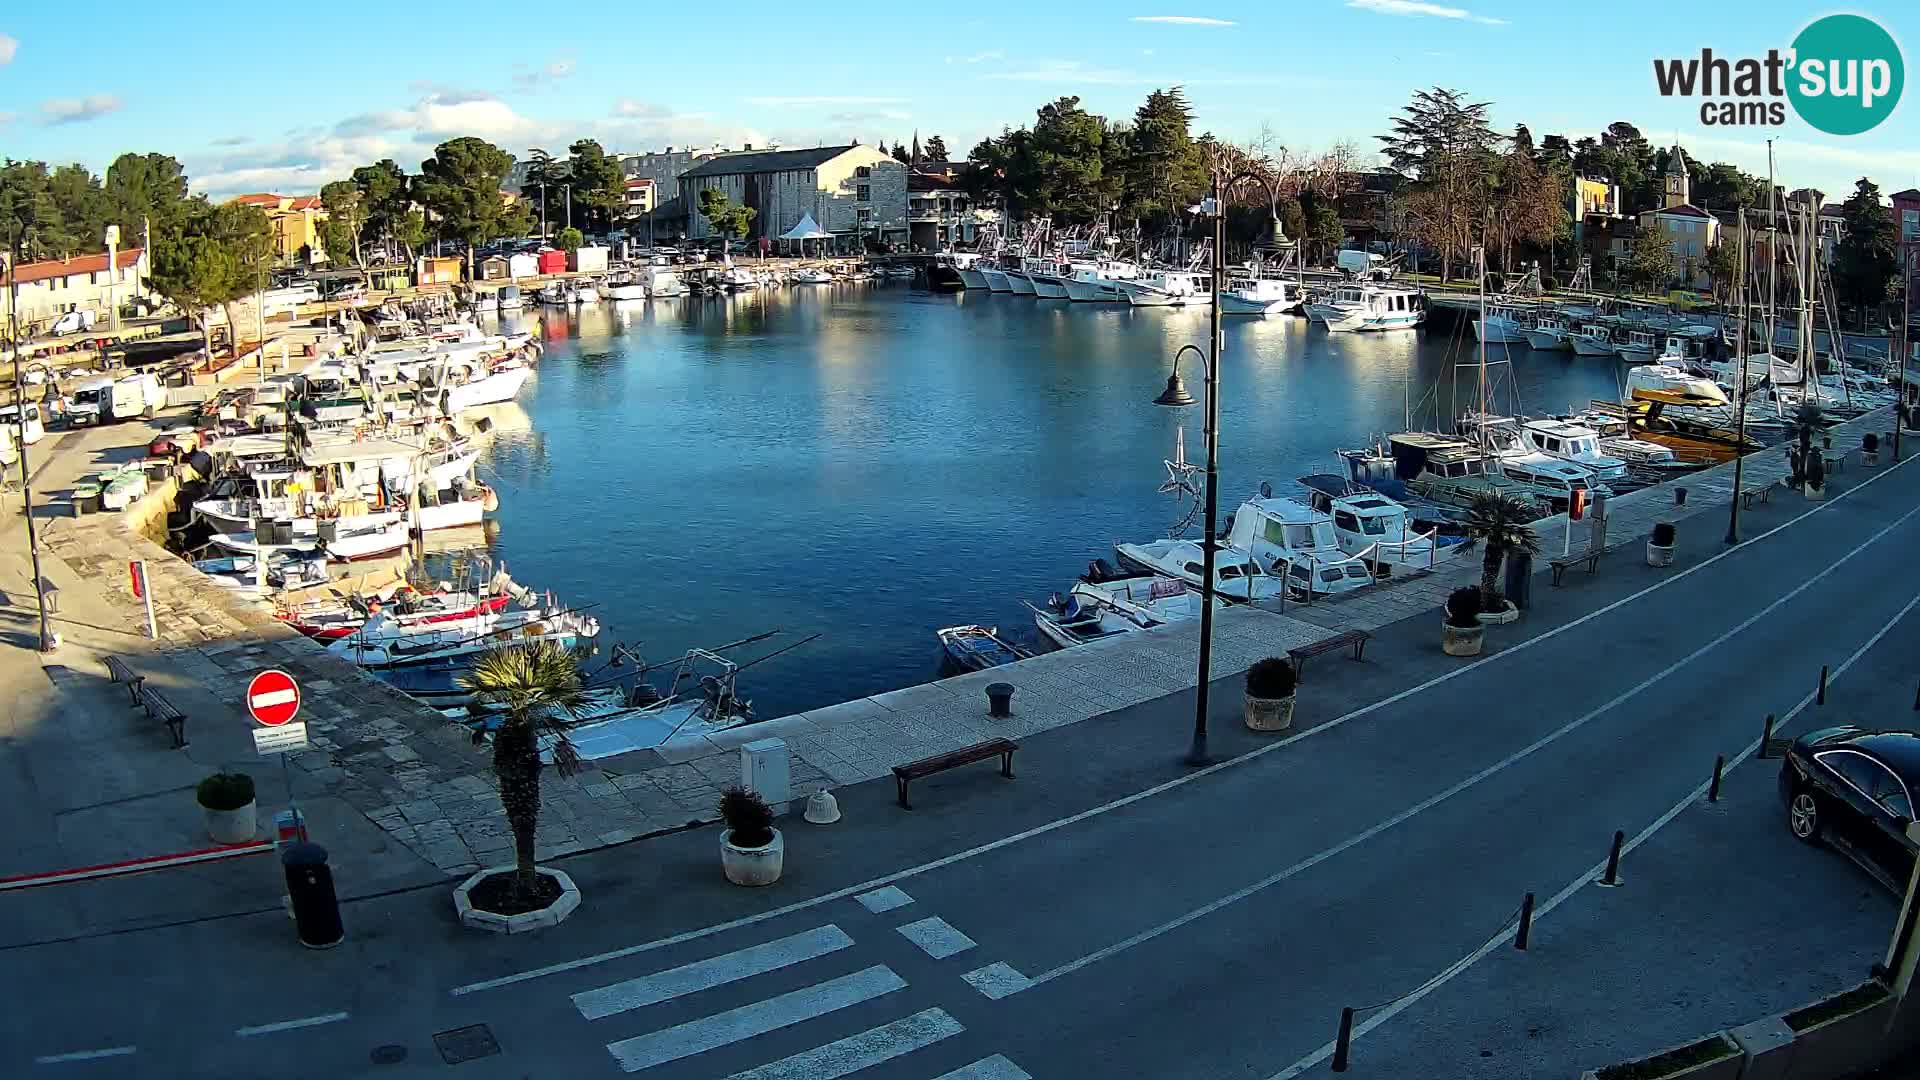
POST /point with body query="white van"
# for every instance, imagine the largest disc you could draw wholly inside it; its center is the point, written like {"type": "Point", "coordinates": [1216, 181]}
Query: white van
{"type": "Point", "coordinates": [76, 321]}
{"type": "Point", "coordinates": [36, 422]}
{"type": "Point", "coordinates": [103, 399]}
{"type": "Point", "coordinates": [1356, 264]}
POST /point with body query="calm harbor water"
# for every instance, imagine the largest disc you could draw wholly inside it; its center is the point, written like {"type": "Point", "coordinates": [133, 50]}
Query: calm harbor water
{"type": "Point", "coordinates": [874, 462]}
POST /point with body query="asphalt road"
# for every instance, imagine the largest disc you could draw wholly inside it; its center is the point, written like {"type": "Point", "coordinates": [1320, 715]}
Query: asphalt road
{"type": "Point", "coordinates": [1206, 924]}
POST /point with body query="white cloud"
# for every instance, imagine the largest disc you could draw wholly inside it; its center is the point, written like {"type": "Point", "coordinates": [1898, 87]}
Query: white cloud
{"type": "Point", "coordinates": [809, 102]}
{"type": "Point", "coordinates": [640, 109]}
{"type": "Point", "coordinates": [977, 58]}
{"type": "Point", "coordinates": [1417, 8]}
{"type": "Point", "coordinates": [460, 114]}
{"type": "Point", "coordinates": [77, 110]}
{"type": "Point", "coordinates": [1182, 20]}
{"type": "Point", "coordinates": [1078, 73]}
{"type": "Point", "coordinates": [8, 46]}
{"type": "Point", "coordinates": [560, 67]}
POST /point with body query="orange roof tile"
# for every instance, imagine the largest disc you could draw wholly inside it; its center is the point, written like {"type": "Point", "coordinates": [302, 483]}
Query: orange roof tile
{"type": "Point", "coordinates": [84, 264]}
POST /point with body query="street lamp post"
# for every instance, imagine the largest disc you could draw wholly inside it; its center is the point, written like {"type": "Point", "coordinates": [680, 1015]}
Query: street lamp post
{"type": "Point", "coordinates": [1906, 316]}
{"type": "Point", "coordinates": [1740, 393]}
{"type": "Point", "coordinates": [113, 271]}
{"type": "Point", "coordinates": [20, 414]}
{"type": "Point", "coordinates": [1175, 395]}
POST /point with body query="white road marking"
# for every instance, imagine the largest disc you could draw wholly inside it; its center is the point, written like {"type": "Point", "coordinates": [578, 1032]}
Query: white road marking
{"type": "Point", "coordinates": [706, 974]}
{"type": "Point", "coordinates": [886, 899]}
{"type": "Point", "coordinates": [84, 1055]}
{"type": "Point", "coordinates": [996, 980]}
{"type": "Point", "coordinates": [936, 937]}
{"type": "Point", "coordinates": [720, 1029]}
{"type": "Point", "coordinates": [1162, 788]}
{"type": "Point", "coordinates": [289, 1025]}
{"type": "Point", "coordinates": [1593, 873]}
{"type": "Point", "coordinates": [1431, 801]}
{"type": "Point", "coordinates": [274, 697]}
{"type": "Point", "coordinates": [996, 1067]}
{"type": "Point", "coordinates": [855, 1052]}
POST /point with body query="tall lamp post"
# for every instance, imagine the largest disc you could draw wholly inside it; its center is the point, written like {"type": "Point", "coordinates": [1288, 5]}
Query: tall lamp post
{"type": "Point", "coordinates": [20, 414]}
{"type": "Point", "coordinates": [1176, 396]}
{"type": "Point", "coordinates": [1907, 271]}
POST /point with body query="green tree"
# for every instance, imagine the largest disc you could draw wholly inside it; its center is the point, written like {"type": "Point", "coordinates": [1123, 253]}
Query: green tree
{"type": "Point", "coordinates": [346, 217]}
{"type": "Point", "coordinates": [569, 239]}
{"type": "Point", "coordinates": [1059, 165]}
{"type": "Point", "coordinates": [727, 218]}
{"type": "Point", "coordinates": [460, 183]}
{"type": "Point", "coordinates": [211, 257]}
{"type": "Point", "coordinates": [598, 187]}
{"type": "Point", "coordinates": [1650, 266]}
{"type": "Point", "coordinates": [410, 232]}
{"type": "Point", "coordinates": [1445, 141]}
{"type": "Point", "coordinates": [899, 154]}
{"type": "Point", "coordinates": [1529, 203]}
{"type": "Point", "coordinates": [1721, 186]}
{"type": "Point", "coordinates": [936, 149]}
{"type": "Point", "coordinates": [1866, 261]}
{"type": "Point", "coordinates": [1163, 166]}
{"type": "Point", "coordinates": [538, 687]}
{"type": "Point", "coordinates": [544, 173]}
{"type": "Point", "coordinates": [1722, 266]}
{"type": "Point", "coordinates": [386, 197]}
{"type": "Point", "coordinates": [1500, 523]}
{"type": "Point", "coordinates": [145, 192]}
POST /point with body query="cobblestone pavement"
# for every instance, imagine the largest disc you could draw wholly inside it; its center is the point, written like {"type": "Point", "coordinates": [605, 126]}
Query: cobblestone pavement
{"type": "Point", "coordinates": [421, 779]}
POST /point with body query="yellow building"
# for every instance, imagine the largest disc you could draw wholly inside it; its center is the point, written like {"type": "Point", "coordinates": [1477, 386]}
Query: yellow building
{"type": "Point", "coordinates": [296, 225]}
{"type": "Point", "coordinates": [1692, 230]}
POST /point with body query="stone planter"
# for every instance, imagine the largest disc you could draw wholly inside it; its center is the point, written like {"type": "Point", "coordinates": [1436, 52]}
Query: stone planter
{"type": "Point", "coordinates": [752, 866]}
{"type": "Point", "coordinates": [1461, 640]}
{"type": "Point", "coordinates": [1659, 556]}
{"type": "Point", "coordinates": [1269, 714]}
{"type": "Point", "coordinates": [1508, 613]}
{"type": "Point", "coordinates": [1721, 1062]}
{"type": "Point", "coordinates": [552, 915]}
{"type": "Point", "coordinates": [1813, 494]}
{"type": "Point", "coordinates": [1870, 459]}
{"type": "Point", "coordinates": [1841, 1045]}
{"type": "Point", "coordinates": [232, 826]}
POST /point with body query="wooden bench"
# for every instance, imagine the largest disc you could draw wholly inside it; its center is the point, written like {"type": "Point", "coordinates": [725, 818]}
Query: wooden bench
{"type": "Point", "coordinates": [159, 708]}
{"type": "Point", "coordinates": [1590, 557]}
{"type": "Point", "coordinates": [1761, 493]}
{"type": "Point", "coordinates": [119, 672]}
{"type": "Point", "coordinates": [1356, 638]}
{"type": "Point", "coordinates": [953, 759]}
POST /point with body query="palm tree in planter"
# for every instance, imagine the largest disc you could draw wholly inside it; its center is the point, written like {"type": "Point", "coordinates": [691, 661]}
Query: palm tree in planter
{"type": "Point", "coordinates": [1806, 424]}
{"type": "Point", "coordinates": [1870, 450]}
{"type": "Point", "coordinates": [1502, 524]}
{"type": "Point", "coordinates": [538, 687]}
{"type": "Point", "coordinates": [1460, 631]}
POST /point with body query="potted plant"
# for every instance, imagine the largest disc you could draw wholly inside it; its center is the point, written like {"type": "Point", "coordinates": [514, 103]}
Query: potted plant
{"type": "Point", "coordinates": [1461, 631]}
{"type": "Point", "coordinates": [1800, 452]}
{"type": "Point", "coordinates": [538, 690]}
{"type": "Point", "coordinates": [1814, 481]}
{"type": "Point", "coordinates": [227, 800]}
{"type": "Point", "coordinates": [1503, 524]}
{"type": "Point", "coordinates": [1870, 450]}
{"type": "Point", "coordinates": [1270, 695]}
{"type": "Point", "coordinates": [751, 849]}
{"type": "Point", "coordinates": [1660, 545]}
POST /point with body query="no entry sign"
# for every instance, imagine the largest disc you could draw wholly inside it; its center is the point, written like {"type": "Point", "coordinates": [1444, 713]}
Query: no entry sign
{"type": "Point", "coordinates": [273, 697]}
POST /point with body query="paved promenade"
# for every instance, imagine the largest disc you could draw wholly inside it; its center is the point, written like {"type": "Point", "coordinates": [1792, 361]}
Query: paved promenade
{"type": "Point", "coordinates": [1115, 913]}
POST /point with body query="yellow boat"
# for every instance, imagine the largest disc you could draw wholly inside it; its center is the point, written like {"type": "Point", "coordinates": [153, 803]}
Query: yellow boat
{"type": "Point", "coordinates": [1689, 439]}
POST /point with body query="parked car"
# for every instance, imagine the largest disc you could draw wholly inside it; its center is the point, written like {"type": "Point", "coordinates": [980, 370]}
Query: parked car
{"type": "Point", "coordinates": [1853, 789]}
{"type": "Point", "coordinates": [74, 322]}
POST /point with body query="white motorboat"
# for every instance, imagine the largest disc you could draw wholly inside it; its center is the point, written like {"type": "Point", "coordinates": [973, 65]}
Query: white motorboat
{"type": "Point", "coordinates": [453, 508]}
{"type": "Point", "coordinates": [1640, 346]}
{"type": "Point", "coordinates": [1549, 333]}
{"type": "Point", "coordinates": [1167, 288]}
{"type": "Point", "coordinates": [1547, 477]}
{"type": "Point", "coordinates": [1103, 604]}
{"type": "Point", "coordinates": [1504, 324]}
{"type": "Point", "coordinates": [1297, 543]}
{"type": "Point", "coordinates": [554, 293]}
{"type": "Point", "coordinates": [1572, 442]}
{"type": "Point", "coordinates": [1368, 307]}
{"type": "Point", "coordinates": [811, 275]}
{"type": "Point", "coordinates": [502, 384]}
{"type": "Point", "coordinates": [1685, 346]}
{"type": "Point", "coordinates": [1183, 561]}
{"type": "Point", "coordinates": [1376, 529]}
{"type": "Point", "coordinates": [996, 278]}
{"type": "Point", "coordinates": [343, 539]}
{"type": "Point", "coordinates": [1674, 386]}
{"type": "Point", "coordinates": [1048, 278]}
{"type": "Point", "coordinates": [285, 570]}
{"type": "Point", "coordinates": [1099, 283]}
{"type": "Point", "coordinates": [1261, 296]}
{"type": "Point", "coordinates": [1020, 283]}
{"type": "Point", "coordinates": [385, 642]}
{"type": "Point", "coordinates": [738, 279]}
{"type": "Point", "coordinates": [509, 298]}
{"type": "Point", "coordinates": [1592, 339]}
{"type": "Point", "coordinates": [625, 289]}
{"type": "Point", "coordinates": [664, 283]}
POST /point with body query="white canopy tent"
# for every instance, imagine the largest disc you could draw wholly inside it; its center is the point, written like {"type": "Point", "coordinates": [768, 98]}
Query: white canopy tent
{"type": "Point", "coordinates": [806, 229]}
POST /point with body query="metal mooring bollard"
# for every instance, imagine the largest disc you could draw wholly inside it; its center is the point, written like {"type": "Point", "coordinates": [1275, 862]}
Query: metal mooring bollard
{"type": "Point", "coordinates": [1766, 733]}
{"type": "Point", "coordinates": [1679, 496]}
{"type": "Point", "coordinates": [1343, 1043]}
{"type": "Point", "coordinates": [1000, 700]}
{"type": "Point", "coordinates": [1719, 766]}
{"type": "Point", "coordinates": [1821, 698]}
{"type": "Point", "coordinates": [1612, 876]}
{"type": "Point", "coordinates": [1526, 924]}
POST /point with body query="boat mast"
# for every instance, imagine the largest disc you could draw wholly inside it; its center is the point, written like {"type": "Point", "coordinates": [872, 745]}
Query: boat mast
{"type": "Point", "coordinates": [1773, 250]}
{"type": "Point", "coordinates": [1480, 253]}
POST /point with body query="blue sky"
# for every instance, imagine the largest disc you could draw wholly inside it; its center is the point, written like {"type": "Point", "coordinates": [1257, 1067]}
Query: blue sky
{"type": "Point", "coordinates": [258, 97]}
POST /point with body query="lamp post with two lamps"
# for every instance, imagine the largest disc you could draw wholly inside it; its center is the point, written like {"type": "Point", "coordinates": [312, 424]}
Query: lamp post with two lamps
{"type": "Point", "coordinates": [20, 415]}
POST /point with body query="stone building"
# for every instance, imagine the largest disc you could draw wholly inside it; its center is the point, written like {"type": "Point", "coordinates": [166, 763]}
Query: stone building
{"type": "Point", "coordinates": [855, 192]}
{"type": "Point", "coordinates": [52, 288]}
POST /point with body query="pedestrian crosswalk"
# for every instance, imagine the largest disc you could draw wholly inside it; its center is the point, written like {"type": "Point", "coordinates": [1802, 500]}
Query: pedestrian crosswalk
{"type": "Point", "coordinates": [781, 962]}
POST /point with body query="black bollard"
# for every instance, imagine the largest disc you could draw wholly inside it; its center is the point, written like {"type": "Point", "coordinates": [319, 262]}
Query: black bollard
{"type": "Point", "coordinates": [1821, 698]}
{"type": "Point", "coordinates": [1526, 923]}
{"type": "Point", "coordinates": [1344, 1041]}
{"type": "Point", "coordinates": [1916, 699]}
{"type": "Point", "coordinates": [316, 911]}
{"type": "Point", "coordinates": [1766, 734]}
{"type": "Point", "coordinates": [999, 700]}
{"type": "Point", "coordinates": [1719, 766]}
{"type": "Point", "coordinates": [1612, 876]}
{"type": "Point", "coordinates": [1679, 496]}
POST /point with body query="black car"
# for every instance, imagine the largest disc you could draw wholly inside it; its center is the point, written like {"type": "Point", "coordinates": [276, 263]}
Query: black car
{"type": "Point", "coordinates": [1853, 789]}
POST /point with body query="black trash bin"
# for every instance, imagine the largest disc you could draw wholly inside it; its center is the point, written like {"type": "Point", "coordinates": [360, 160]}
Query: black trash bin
{"type": "Point", "coordinates": [1519, 583]}
{"type": "Point", "coordinates": [316, 911]}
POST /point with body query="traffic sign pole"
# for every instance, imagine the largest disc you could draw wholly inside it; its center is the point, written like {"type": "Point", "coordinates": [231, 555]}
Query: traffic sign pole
{"type": "Point", "coordinates": [273, 700]}
{"type": "Point", "coordinates": [142, 588]}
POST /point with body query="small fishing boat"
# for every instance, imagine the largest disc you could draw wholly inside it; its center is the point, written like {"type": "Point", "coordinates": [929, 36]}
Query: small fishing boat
{"type": "Point", "coordinates": [1592, 339]}
{"type": "Point", "coordinates": [1261, 296]}
{"type": "Point", "coordinates": [285, 570]}
{"type": "Point", "coordinates": [1184, 560]}
{"type": "Point", "coordinates": [1383, 532]}
{"type": "Point", "coordinates": [1549, 333]}
{"type": "Point", "coordinates": [976, 648]}
{"type": "Point", "coordinates": [1297, 544]}
{"type": "Point", "coordinates": [811, 275]}
{"type": "Point", "coordinates": [1104, 603]}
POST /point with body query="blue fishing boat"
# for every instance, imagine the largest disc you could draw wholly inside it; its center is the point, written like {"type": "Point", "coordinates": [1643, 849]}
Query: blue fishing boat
{"type": "Point", "coordinates": [976, 648]}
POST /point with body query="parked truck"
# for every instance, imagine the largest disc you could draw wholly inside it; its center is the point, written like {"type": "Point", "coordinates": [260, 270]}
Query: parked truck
{"type": "Point", "coordinates": [100, 400]}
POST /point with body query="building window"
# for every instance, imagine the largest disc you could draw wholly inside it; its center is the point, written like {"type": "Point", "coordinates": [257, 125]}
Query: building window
{"type": "Point", "coordinates": [863, 215]}
{"type": "Point", "coordinates": [863, 193]}
{"type": "Point", "coordinates": [1910, 224]}
{"type": "Point", "coordinates": [863, 171]}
